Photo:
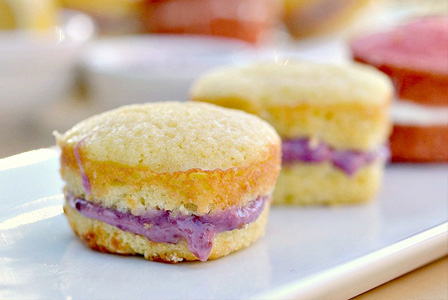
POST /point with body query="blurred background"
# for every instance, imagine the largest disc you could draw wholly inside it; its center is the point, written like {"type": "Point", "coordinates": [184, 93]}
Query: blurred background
{"type": "Point", "coordinates": [64, 60]}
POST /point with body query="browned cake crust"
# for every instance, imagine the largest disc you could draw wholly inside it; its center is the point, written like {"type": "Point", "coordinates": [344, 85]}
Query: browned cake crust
{"type": "Point", "coordinates": [416, 85]}
{"type": "Point", "coordinates": [419, 143]}
{"type": "Point", "coordinates": [198, 191]}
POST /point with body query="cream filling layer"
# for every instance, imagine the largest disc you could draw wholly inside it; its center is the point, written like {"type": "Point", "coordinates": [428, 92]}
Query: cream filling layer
{"type": "Point", "coordinates": [162, 226]}
{"type": "Point", "coordinates": [409, 113]}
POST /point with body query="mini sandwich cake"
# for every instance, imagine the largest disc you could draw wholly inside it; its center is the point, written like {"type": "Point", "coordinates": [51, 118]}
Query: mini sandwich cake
{"type": "Point", "coordinates": [415, 56]}
{"type": "Point", "coordinates": [333, 120]}
{"type": "Point", "coordinates": [170, 181]}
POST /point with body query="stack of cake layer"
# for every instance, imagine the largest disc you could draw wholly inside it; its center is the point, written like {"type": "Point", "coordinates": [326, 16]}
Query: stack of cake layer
{"type": "Point", "coordinates": [333, 120]}
{"type": "Point", "coordinates": [170, 181]}
{"type": "Point", "coordinates": [415, 56]}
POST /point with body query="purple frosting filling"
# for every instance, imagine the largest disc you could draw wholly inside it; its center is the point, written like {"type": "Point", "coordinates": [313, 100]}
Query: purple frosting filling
{"type": "Point", "coordinates": [349, 161]}
{"type": "Point", "coordinates": [163, 226]}
{"type": "Point", "coordinates": [85, 179]}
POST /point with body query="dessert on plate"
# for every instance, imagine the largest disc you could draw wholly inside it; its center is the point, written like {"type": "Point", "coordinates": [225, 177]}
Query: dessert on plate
{"type": "Point", "coordinates": [305, 18]}
{"type": "Point", "coordinates": [252, 21]}
{"type": "Point", "coordinates": [415, 56]}
{"type": "Point", "coordinates": [333, 120]}
{"type": "Point", "coordinates": [170, 181]}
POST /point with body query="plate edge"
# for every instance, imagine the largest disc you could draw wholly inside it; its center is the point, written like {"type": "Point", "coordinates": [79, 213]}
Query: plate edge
{"type": "Point", "coordinates": [369, 271]}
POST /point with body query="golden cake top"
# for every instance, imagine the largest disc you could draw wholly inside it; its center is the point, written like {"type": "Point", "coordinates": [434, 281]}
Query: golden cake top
{"type": "Point", "coordinates": [173, 136]}
{"type": "Point", "coordinates": [292, 83]}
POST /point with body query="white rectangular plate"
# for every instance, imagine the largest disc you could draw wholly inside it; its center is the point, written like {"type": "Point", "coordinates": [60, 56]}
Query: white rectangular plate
{"type": "Point", "coordinates": [312, 252]}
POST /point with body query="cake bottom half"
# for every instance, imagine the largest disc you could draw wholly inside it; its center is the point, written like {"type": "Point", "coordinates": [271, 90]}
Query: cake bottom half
{"type": "Point", "coordinates": [323, 184]}
{"type": "Point", "coordinates": [110, 239]}
{"type": "Point", "coordinates": [413, 143]}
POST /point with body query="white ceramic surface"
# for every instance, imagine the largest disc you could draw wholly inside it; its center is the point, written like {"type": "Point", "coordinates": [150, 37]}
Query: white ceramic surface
{"type": "Point", "coordinates": [314, 252]}
{"type": "Point", "coordinates": [40, 67]}
{"type": "Point", "coordinates": [147, 68]}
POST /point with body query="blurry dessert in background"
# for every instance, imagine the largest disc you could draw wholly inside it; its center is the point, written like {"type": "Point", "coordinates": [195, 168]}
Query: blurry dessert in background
{"type": "Point", "coordinates": [35, 15]}
{"type": "Point", "coordinates": [333, 121]}
{"type": "Point", "coordinates": [111, 16]}
{"type": "Point", "coordinates": [304, 18]}
{"type": "Point", "coordinates": [414, 9]}
{"type": "Point", "coordinates": [415, 56]}
{"type": "Point", "coordinates": [248, 20]}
